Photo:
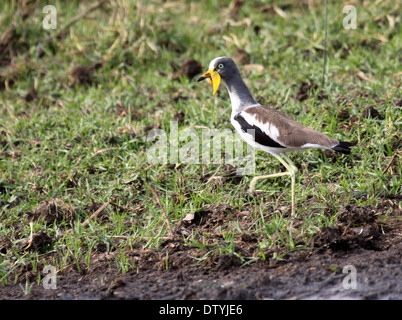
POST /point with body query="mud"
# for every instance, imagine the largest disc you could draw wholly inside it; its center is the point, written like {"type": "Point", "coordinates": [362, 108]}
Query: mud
{"type": "Point", "coordinates": [358, 241]}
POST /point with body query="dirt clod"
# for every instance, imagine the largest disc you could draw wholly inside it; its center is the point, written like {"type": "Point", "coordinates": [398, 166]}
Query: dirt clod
{"type": "Point", "coordinates": [123, 111]}
{"type": "Point", "coordinates": [53, 210]}
{"type": "Point", "coordinates": [355, 227]}
{"type": "Point", "coordinates": [304, 90]}
{"type": "Point", "coordinates": [32, 95]}
{"type": "Point", "coordinates": [343, 114]}
{"type": "Point", "coordinates": [241, 56]}
{"type": "Point", "coordinates": [83, 74]}
{"type": "Point", "coordinates": [371, 112]}
{"type": "Point", "coordinates": [189, 68]}
{"type": "Point", "coordinates": [356, 215]}
{"type": "Point", "coordinates": [38, 242]}
{"type": "Point", "coordinates": [5, 245]}
{"type": "Point", "coordinates": [179, 117]}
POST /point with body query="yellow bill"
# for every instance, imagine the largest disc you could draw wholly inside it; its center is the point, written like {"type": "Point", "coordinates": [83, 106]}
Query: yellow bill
{"type": "Point", "coordinates": [214, 78]}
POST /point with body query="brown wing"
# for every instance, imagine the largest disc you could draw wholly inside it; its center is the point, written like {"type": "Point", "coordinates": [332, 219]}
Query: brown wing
{"type": "Point", "coordinates": [291, 133]}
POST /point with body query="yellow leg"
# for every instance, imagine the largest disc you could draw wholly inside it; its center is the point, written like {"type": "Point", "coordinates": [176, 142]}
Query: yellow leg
{"type": "Point", "coordinates": [258, 178]}
{"type": "Point", "coordinates": [293, 176]}
{"type": "Point", "coordinates": [291, 171]}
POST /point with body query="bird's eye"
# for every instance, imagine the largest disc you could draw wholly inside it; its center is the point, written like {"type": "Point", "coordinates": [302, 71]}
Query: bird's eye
{"type": "Point", "coordinates": [220, 66]}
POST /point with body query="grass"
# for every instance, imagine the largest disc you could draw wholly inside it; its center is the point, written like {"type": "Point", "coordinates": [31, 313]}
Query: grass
{"type": "Point", "coordinates": [83, 144]}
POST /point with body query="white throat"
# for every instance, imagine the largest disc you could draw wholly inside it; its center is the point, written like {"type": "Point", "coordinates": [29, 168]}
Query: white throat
{"type": "Point", "coordinates": [235, 101]}
{"type": "Point", "coordinates": [237, 104]}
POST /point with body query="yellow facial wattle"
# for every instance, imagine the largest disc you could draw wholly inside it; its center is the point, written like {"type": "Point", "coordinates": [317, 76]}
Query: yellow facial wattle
{"type": "Point", "coordinates": [214, 78]}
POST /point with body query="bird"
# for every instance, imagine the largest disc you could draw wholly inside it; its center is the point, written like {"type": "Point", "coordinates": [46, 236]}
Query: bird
{"type": "Point", "coordinates": [264, 128]}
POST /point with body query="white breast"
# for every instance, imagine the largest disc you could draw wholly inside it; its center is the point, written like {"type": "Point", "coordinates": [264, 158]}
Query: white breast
{"type": "Point", "coordinates": [234, 101]}
{"type": "Point", "coordinates": [249, 138]}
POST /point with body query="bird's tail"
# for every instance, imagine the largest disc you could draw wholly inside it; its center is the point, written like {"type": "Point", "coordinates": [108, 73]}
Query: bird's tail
{"type": "Point", "coordinates": [343, 147]}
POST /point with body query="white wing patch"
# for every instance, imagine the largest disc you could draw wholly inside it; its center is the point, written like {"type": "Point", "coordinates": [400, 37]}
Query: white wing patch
{"type": "Point", "coordinates": [267, 128]}
{"type": "Point", "coordinates": [250, 140]}
{"type": "Point", "coordinates": [313, 145]}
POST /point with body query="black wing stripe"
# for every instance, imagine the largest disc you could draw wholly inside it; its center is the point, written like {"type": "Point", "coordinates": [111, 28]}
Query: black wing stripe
{"type": "Point", "coordinates": [343, 147]}
{"type": "Point", "coordinates": [259, 136]}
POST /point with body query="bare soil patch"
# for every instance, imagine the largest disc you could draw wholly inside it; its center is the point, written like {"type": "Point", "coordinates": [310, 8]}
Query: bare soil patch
{"type": "Point", "coordinates": [177, 271]}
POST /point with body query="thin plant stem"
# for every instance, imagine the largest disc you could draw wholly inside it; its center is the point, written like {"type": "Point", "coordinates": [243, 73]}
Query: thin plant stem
{"type": "Point", "coordinates": [325, 45]}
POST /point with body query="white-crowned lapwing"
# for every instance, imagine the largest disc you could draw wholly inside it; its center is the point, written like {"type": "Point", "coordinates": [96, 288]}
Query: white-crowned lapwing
{"type": "Point", "coordinates": [264, 128]}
